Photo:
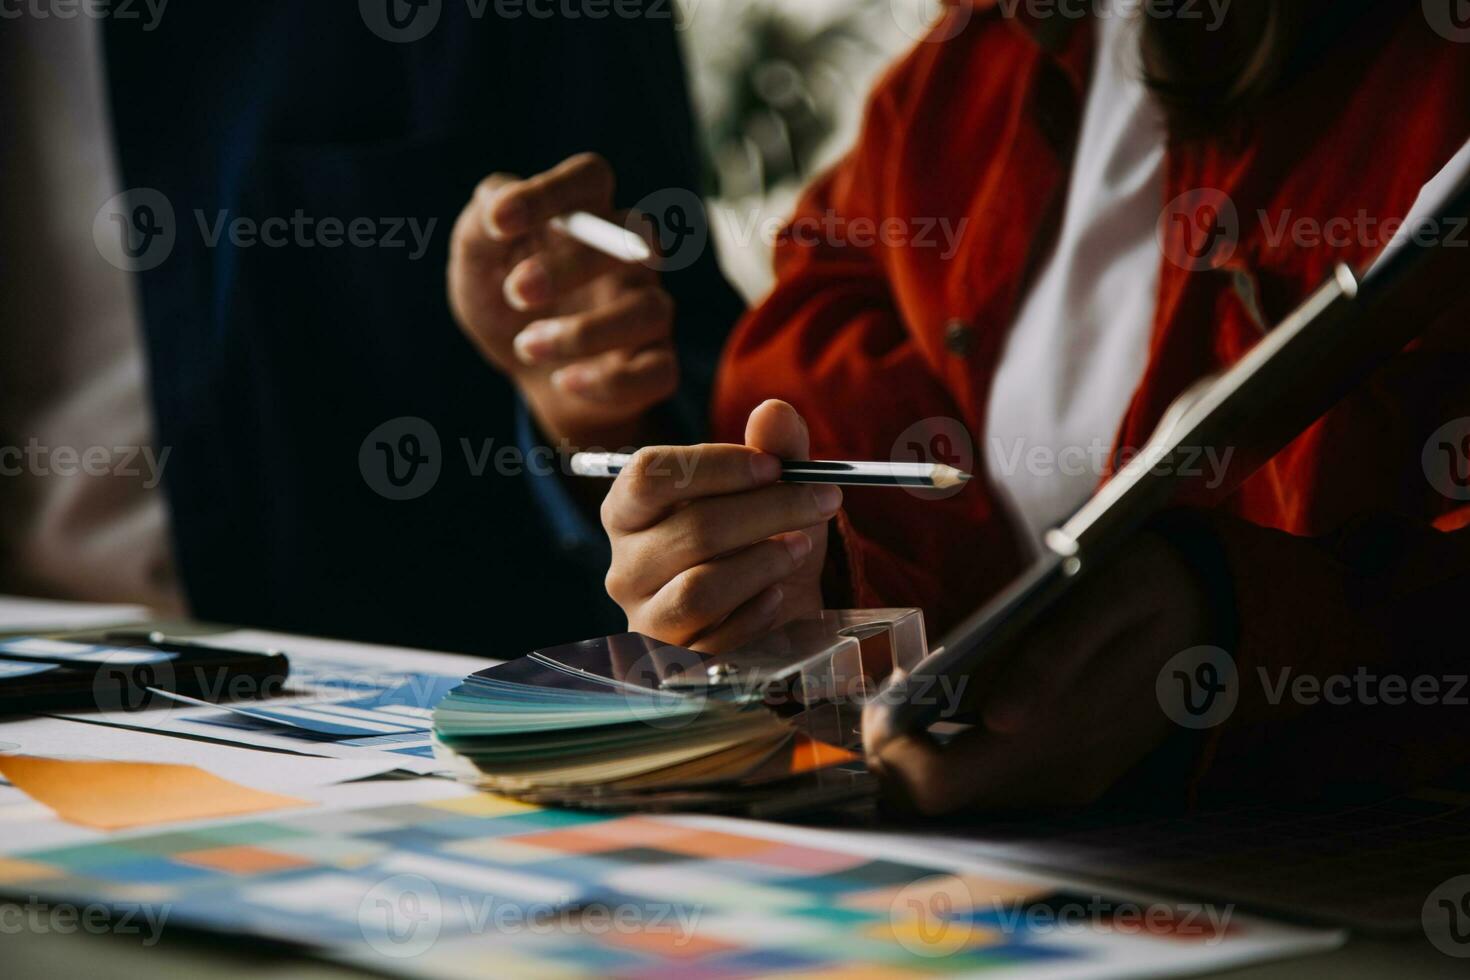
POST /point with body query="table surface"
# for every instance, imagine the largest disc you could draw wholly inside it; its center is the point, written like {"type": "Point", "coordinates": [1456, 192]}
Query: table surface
{"type": "Point", "coordinates": [31, 955]}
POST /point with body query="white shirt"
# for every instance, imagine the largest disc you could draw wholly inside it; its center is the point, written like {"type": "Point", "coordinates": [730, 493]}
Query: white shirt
{"type": "Point", "coordinates": [1078, 348]}
{"type": "Point", "coordinates": [81, 513]}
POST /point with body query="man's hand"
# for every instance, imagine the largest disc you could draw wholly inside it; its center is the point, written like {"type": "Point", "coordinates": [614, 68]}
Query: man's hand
{"type": "Point", "coordinates": [1076, 706]}
{"type": "Point", "coordinates": [709, 549]}
{"type": "Point", "coordinates": [586, 338]}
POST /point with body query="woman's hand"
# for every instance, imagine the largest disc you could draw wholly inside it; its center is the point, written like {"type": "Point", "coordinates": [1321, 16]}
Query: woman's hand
{"type": "Point", "coordinates": [586, 338]}
{"type": "Point", "coordinates": [1076, 706]}
{"type": "Point", "coordinates": [709, 549]}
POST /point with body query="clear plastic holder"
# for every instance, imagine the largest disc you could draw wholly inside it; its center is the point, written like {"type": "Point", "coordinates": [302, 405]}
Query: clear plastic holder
{"type": "Point", "coordinates": [817, 671]}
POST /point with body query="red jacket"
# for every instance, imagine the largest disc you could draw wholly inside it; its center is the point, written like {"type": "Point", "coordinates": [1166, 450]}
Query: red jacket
{"type": "Point", "coordinates": [1337, 548]}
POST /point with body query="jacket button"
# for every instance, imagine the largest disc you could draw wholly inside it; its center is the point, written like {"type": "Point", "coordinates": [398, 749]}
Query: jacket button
{"type": "Point", "coordinates": [959, 338]}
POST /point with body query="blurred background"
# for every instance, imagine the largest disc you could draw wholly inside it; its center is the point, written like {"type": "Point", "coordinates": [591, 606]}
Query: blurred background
{"type": "Point", "coordinates": [779, 88]}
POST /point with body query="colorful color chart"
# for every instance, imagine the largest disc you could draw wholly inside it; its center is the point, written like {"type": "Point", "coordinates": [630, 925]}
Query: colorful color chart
{"type": "Point", "coordinates": [480, 886]}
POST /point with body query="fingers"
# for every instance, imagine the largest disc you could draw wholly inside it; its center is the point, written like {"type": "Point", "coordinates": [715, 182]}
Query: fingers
{"type": "Point", "coordinates": [776, 428]}
{"type": "Point", "coordinates": [581, 183]}
{"type": "Point", "coordinates": [708, 528]}
{"type": "Point", "coordinates": [1099, 620]}
{"type": "Point", "coordinates": [705, 530]}
{"type": "Point", "coordinates": [658, 478]}
{"type": "Point", "coordinates": [1099, 727]}
{"type": "Point", "coordinates": [632, 321]}
{"type": "Point", "coordinates": [754, 619]}
{"type": "Point", "coordinates": [638, 381]}
{"type": "Point", "coordinates": [562, 266]}
{"type": "Point", "coordinates": [471, 240]}
{"type": "Point", "coordinates": [703, 597]}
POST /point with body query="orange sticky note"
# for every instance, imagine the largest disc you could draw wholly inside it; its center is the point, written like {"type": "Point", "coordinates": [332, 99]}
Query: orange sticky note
{"type": "Point", "coordinates": [118, 795]}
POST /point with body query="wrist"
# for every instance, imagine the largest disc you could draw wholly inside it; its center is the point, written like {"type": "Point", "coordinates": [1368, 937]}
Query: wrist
{"type": "Point", "coordinates": [572, 424]}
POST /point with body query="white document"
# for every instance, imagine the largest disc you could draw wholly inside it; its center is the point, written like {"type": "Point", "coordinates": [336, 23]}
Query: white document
{"type": "Point", "coordinates": [19, 614]}
{"type": "Point", "coordinates": [60, 738]}
{"type": "Point", "coordinates": [323, 671]}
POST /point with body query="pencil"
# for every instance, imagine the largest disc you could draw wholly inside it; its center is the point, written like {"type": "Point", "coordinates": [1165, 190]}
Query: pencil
{"type": "Point", "coordinates": [935, 476]}
{"type": "Point", "coordinates": [606, 237]}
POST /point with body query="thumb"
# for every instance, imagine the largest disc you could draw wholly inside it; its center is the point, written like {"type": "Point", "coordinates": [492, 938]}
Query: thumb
{"type": "Point", "coordinates": [775, 427]}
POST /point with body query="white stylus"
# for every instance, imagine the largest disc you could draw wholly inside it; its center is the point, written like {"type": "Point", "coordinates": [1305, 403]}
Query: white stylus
{"type": "Point", "coordinates": [606, 237]}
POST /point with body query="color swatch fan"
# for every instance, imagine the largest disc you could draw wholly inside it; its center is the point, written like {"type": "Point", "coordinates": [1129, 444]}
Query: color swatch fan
{"type": "Point", "coordinates": [626, 722]}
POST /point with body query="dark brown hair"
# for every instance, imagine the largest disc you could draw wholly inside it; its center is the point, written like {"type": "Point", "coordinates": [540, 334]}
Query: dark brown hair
{"type": "Point", "coordinates": [1211, 74]}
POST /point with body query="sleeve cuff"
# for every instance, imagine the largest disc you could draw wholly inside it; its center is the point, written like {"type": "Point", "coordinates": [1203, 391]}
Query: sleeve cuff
{"type": "Point", "coordinates": [572, 528]}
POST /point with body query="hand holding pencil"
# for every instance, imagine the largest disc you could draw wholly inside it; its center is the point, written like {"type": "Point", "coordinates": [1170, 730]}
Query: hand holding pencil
{"type": "Point", "coordinates": [564, 302]}
{"type": "Point", "coordinates": [710, 547]}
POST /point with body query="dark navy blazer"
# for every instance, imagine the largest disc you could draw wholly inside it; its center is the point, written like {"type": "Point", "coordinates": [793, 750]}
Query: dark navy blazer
{"type": "Point", "coordinates": [273, 364]}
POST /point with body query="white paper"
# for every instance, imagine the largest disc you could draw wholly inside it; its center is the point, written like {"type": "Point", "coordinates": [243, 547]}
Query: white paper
{"type": "Point", "coordinates": [19, 614]}
{"type": "Point", "coordinates": [59, 738]}
{"type": "Point", "coordinates": [317, 665]}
